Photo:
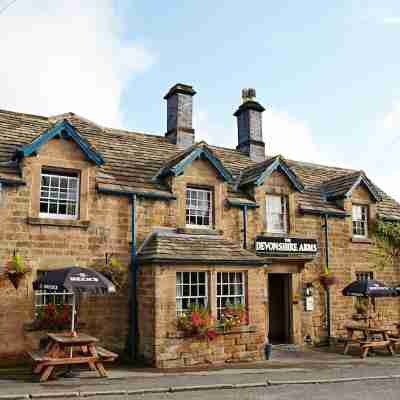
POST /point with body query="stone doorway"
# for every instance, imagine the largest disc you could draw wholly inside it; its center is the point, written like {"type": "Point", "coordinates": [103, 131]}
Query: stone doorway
{"type": "Point", "coordinates": [280, 308]}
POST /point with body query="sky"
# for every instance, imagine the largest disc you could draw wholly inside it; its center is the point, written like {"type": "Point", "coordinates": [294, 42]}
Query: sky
{"type": "Point", "coordinates": [327, 72]}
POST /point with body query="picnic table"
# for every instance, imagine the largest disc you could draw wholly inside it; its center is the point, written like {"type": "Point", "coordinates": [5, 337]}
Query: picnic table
{"type": "Point", "coordinates": [63, 349]}
{"type": "Point", "coordinates": [372, 338]}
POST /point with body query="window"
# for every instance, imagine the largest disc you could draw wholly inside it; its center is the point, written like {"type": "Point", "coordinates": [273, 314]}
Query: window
{"type": "Point", "coordinates": [44, 297]}
{"type": "Point", "coordinates": [364, 276]}
{"type": "Point", "coordinates": [277, 215]}
{"type": "Point", "coordinates": [362, 303]}
{"type": "Point", "coordinates": [198, 207]}
{"type": "Point", "coordinates": [360, 221]}
{"type": "Point", "coordinates": [191, 289]}
{"type": "Point", "coordinates": [230, 290]}
{"type": "Point", "coordinates": [59, 195]}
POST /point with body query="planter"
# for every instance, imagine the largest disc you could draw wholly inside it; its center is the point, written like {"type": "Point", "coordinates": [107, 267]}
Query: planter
{"type": "Point", "coordinates": [16, 278]}
{"type": "Point", "coordinates": [328, 280]}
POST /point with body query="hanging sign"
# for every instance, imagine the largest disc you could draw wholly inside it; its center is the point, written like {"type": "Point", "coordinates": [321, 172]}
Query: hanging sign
{"type": "Point", "coordinates": [272, 245]}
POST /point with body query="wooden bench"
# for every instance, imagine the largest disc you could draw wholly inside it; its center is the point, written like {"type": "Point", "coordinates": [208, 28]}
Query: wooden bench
{"type": "Point", "coordinates": [366, 345]}
{"type": "Point", "coordinates": [106, 355]}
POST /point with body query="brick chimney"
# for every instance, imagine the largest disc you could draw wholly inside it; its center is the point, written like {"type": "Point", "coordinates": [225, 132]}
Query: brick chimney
{"type": "Point", "coordinates": [249, 120]}
{"type": "Point", "coordinates": [179, 115]}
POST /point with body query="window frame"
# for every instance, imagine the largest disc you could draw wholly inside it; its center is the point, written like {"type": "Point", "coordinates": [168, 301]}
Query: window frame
{"type": "Point", "coordinates": [361, 275]}
{"type": "Point", "coordinates": [211, 207]}
{"type": "Point", "coordinates": [285, 206]}
{"type": "Point", "coordinates": [242, 296]}
{"type": "Point", "coordinates": [179, 297]}
{"type": "Point", "coordinates": [59, 173]}
{"type": "Point", "coordinates": [364, 210]}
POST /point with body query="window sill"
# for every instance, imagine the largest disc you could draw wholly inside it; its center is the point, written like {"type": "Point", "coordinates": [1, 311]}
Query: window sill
{"type": "Point", "coordinates": [66, 223]}
{"type": "Point", "coordinates": [219, 330]}
{"type": "Point", "coordinates": [361, 240]}
{"type": "Point", "coordinates": [199, 231]}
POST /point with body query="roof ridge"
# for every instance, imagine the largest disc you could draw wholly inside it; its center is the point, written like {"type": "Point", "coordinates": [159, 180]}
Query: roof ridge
{"type": "Point", "coordinates": [2, 110]}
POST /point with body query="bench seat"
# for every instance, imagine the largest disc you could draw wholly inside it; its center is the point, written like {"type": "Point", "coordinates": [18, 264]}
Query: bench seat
{"type": "Point", "coordinates": [105, 354]}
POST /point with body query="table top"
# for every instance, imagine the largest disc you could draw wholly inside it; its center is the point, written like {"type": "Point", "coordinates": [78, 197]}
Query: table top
{"type": "Point", "coordinates": [367, 329]}
{"type": "Point", "coordinates": [81, 338]}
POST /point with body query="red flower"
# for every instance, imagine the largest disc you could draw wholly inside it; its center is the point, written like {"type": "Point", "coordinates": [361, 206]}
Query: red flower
{"type": "Point", "coordinates": [197, 321]}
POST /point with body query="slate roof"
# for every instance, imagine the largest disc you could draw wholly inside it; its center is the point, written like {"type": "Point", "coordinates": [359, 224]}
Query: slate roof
{"type": "Point", "coordinates": [169, 245]}
{"type": "Point", "coordinates": [258, 172]}
{"type": "Point", "coordinates": [133, 159]}
{"type": "Point", "coordinates": [343, 185]}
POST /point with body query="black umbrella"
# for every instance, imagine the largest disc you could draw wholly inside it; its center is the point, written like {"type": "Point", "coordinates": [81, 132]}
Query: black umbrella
{"type": "Point", "coordinates": [76, 280]}
{"type": "Point", "coordinates": [369, 288]}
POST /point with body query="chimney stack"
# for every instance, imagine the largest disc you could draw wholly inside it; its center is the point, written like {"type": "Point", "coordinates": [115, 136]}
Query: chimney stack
{"type": "Point", "coordinates": [249, 120]}
{"type": "Point", "coordinates": [179, 115]}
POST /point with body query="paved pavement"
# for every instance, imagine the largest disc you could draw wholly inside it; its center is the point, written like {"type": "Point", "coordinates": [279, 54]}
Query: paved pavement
{"type": "Point", "coordinates": [292, 366]}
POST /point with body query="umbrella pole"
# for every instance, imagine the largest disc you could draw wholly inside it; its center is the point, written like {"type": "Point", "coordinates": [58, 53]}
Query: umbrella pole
{"type": "Point", "coordinates": [73, 314]}
{"type": "Point", "coordinates": [73, 319]}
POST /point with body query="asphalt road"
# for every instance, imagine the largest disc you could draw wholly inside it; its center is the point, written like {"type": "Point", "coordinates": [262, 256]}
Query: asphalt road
{"type": "Point", "coordinates": [372, 390]}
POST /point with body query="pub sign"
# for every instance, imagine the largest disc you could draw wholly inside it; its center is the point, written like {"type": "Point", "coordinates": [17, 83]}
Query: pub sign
{"type": "Point", "coordinates": [273, 245]}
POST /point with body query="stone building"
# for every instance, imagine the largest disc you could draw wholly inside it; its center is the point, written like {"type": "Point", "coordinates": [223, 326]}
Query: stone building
{"type": "Point", "coordinates": [198, 224]}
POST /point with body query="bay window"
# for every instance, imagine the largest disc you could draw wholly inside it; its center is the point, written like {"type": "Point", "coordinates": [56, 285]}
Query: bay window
{"type": "Point", "coordinates": [230, 290]}
{"type": "Point", "coordinates": [191, 289]}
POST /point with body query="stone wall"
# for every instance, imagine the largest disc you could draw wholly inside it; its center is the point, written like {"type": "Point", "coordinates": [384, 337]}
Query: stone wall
{"type": "Point", "coordinates": [163, 346]}
{"type": "Point", "coordinates": [51, 244]}
{"type": "Point", "coordinates": [48, 244]}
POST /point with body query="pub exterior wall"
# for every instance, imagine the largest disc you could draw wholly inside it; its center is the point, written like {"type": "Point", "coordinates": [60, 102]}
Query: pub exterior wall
{"type": "Point", "coordinates": [50, 246]}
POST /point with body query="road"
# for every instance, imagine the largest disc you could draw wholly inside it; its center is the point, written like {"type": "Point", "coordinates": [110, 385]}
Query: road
{"type": "Point", "coordinates": [366, 390]}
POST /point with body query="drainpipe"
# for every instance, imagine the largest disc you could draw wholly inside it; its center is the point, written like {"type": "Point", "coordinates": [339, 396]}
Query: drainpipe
{"type": "Point", "coordinates": [244, 209]}
{"type": "Point", "coordinates": [133, 331]}
{"type": "Point", "coordinates": [327, 290]}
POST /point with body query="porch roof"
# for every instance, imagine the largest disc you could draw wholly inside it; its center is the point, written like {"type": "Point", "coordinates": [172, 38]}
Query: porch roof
{"type": "Point", "coordinates": [172, 247]}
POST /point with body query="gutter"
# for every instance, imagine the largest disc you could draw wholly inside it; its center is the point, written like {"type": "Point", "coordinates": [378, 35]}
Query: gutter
{"type": "Point", "coordinates": [11, 182]}
{"type": "Point", "coordinates": [133, 328]}
{"type": "Point", "coordinates": [130, 193]}
{"type": "Point", "coordinates": [327, 290]}
{"type": "Point", "coordinates": [322, 213]}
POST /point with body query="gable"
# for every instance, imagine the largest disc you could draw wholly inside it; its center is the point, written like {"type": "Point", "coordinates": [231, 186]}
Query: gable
{"type": "Point", "coordinates": [258, 174]}
{"type": "Point", "coordinates": [178, 165]}
{"type": "Point", "coordinates": [344, 186]}
{"type": "Point", "coordinates": [61, 130]}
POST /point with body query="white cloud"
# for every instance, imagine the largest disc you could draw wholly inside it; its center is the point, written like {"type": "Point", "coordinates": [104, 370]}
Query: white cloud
{"type": "Point", "coordinates": [290, 137]}
{"type": "Point", "coordinates": [66, 56]}
{"type": "Point", "coordinates": [282, 134]}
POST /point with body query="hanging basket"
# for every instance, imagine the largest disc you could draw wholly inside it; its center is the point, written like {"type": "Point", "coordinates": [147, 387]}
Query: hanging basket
{"type": "Point", "coordinates": [328, 280]}
{"type": "Point", "coordinates": [16, 278]}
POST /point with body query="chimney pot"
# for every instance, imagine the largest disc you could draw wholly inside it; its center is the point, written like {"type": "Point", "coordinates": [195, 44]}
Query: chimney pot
{"type": "Point", "coordinates": [249, 120]}
{"type": "Point", "coordinates": [179, 115]}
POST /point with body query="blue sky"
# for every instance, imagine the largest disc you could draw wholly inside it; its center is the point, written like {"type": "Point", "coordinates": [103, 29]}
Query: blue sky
{"type": "Point", "coordinates": [328, 72]}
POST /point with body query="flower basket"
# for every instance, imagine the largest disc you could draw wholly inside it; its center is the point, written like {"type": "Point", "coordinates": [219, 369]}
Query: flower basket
{"type": "Point", "coordinates": [197, 323]}
{"type": "Point", "coordinates": [328, 280]}
{"type": "Point", "coordinates": [15, 278]}
{"type": "Point", "coordinates": [16, 270]}
{"type": "Point", "coordinates": [234, 316]}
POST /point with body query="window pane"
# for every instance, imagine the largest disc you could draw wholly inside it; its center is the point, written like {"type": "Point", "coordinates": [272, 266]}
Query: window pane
{"type": "Point", "coordinates": [56, 190]}
{"type": "Point", "coordinates": [189, 290]}
{"type": "Point", "coordinates": [230, 290]}
{"type": "Point", "coordinates": [198, 207]}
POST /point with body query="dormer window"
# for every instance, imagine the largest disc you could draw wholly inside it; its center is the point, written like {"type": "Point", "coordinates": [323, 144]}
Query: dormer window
{"type": "Point", "coordinates": [198, 207]}
{"type": "Point", "coordinates": [277, 214]}
{"type": "Point", "coordinates": [59, 195]}
{"type": "Point", "coordinates": [360, 221]}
